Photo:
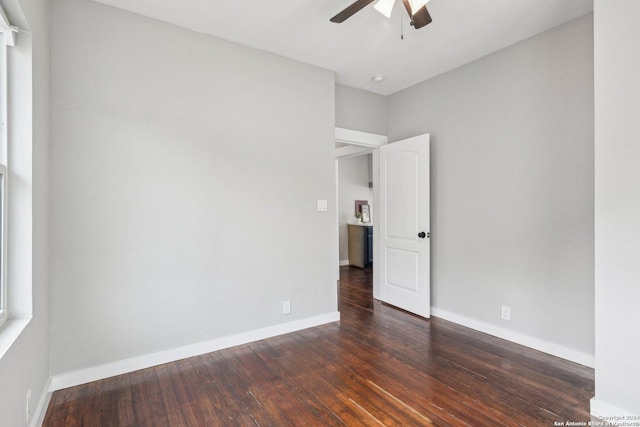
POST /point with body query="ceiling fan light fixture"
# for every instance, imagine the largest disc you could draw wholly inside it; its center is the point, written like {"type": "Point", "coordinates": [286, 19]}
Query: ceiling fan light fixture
{"type": "Point", "coordinates": [378, 78]}
{"type": "Point", "coordinates": [416, 5]}
{"type": "Point", "coordinates": [385, 7]}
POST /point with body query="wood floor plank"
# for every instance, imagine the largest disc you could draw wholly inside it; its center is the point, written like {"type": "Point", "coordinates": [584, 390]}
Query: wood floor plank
{"type": "Point", "coordinates": [240, 407]}
{"type": "Point", "coordinates": [147, 400]}
{"type": "Point", "coordinates": [204, 394]}
{"type": "Point", "coordinates": [95, 404]}
{"type": "Point", "coordinates": [377, 366]}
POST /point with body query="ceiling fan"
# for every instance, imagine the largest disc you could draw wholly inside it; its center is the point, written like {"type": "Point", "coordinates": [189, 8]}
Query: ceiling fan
{"type": "Point", "coordinates": [416, 9]}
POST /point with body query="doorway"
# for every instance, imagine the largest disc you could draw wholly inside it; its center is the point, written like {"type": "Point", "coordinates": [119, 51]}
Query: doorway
{"type": "Point", "coordinates": [404, 170]}
{"type": "Point", "coordinates": [350, 143]}
{"type": "Point", "coordinates": [355, 195]}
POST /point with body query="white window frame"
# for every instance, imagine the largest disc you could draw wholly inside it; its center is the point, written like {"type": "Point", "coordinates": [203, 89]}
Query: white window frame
{"type": "Point", "coordinates": [4, 27]}
{"type": "Point", "coordinates": [16, 77]}
{"type": "Point", "coordinates": [4, 313]}
{"type": "Point", "coordinates": [7, 38]}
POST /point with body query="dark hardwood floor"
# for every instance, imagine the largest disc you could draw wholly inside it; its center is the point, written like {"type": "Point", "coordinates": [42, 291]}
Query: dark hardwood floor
{"type": "Point", "coordinates": [377, 366]}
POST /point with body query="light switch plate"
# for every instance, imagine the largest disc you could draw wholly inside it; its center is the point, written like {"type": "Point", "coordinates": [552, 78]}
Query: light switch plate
{"type": "Point", "coordinates": [322, 205]}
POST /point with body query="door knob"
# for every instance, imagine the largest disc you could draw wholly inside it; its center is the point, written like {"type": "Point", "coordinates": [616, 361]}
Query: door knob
{"type": "Point", "coordinates": [422, 234]}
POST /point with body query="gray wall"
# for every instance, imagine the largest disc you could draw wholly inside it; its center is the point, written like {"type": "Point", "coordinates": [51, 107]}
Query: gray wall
{"type": "Point", "coordinates": [617, 207]}
{"type": "Point", "coordinates": [353, 184]}
{"type": "Point", "coordinates": [26, 365]}
{"type": "Point", "coordinates": [512, 184]}
{"type": "Point", "coordinates": [169, 151]}
{"type": "Point", "coordinates": [183, 187]}
{"type": "Point", "coordinates": [358, 109]}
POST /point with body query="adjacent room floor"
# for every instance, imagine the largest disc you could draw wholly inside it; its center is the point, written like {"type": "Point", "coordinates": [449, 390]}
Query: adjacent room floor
{"type": "Point", "coordinates": [377, 366]}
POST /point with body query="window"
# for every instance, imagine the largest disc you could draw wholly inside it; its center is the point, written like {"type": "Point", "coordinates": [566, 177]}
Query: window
{"type": "Point", "coordinates": [16, 201]}
{"type": "Point", "coordinates": [6, 39]}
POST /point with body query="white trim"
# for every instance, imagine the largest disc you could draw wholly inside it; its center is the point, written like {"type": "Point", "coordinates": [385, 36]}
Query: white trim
{"type": "Point", "coordinates": [4, 106]}
{"type": "Point", "coordinates": [83, 376]}
{"type": "Point", "coordinates": [610, 413]}
{"type": "Point", "coordinates": [351, 150]}
{"type": "Point", "coordinates": [7, 30]}
{"type": "Point", "coordinates": [344, 262]}
{"type": "Point", "coordinates": [4, 313]}
{"type": "Point", "coordinates": [375, 167]}
{"type": "Point", "coordinates": [355, 137]}
{"type": "Point", "coordinates": [518, 338]}
{"type": "Point", "coordinates": [10, 332]}
{"type": "Point", "coordinates": [336, 177]}
{"type": "Point", "coordinates": [40, 412]}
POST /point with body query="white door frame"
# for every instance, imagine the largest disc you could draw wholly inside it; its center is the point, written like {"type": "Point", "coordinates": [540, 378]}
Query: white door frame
{"type": "Point", "coordinates": [362, 143]}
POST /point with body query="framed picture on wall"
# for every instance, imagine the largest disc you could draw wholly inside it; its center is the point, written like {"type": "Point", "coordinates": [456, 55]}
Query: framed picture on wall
{"type": "Point", "coordinates": [365, 213]}
{"type": "Point", "coordinates": [359, 204]}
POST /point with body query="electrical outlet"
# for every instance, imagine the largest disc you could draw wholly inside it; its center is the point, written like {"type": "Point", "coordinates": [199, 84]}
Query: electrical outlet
{"type": "Point", "coordinates": [286, 307]}
{"type": "Point", "coordinates": [506, 312]}
{"type": "Point", "coordinates": [27, 405]}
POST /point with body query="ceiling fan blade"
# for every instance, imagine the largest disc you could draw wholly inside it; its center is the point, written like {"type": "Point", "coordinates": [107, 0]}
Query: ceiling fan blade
{"type": "Point", "coordinates": [407, 6]}
{"type": "Point", "coordinates": [421, 18]}
{"type": "Point", "coordinates": [350, 11]}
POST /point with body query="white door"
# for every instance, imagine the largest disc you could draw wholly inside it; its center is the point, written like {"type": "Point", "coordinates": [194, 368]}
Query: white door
{"type": "Point", "coordinates": [404, 225]}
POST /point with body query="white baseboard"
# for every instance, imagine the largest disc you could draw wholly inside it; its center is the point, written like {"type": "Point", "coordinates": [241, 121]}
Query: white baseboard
{"type": "Point", "coordinates": [344, 262]}
{"type": "Point", "coordinates": [83, 376]}
{"type": "Point", "coordinates": [41, 410]}
{"type": "Point", "coordinates": [518, 338]}
{"type": "Point", "coordinates": [610, 413]}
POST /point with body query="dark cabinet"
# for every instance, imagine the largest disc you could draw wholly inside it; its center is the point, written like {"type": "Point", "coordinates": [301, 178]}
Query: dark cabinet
{"type": "Point", "coordinates": [360, 245]}
{"type": "Point", "coordinates": [370, 245]}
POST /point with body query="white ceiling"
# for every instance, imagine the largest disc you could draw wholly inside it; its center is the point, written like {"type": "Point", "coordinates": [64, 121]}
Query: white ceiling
{"type": "Point", "coordinates": [367, 43]}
